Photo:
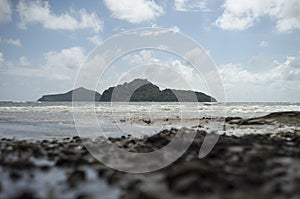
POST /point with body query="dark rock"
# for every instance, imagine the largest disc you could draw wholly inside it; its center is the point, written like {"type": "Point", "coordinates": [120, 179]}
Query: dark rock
{"type": "Point", "coordinates": [228, 119]}
{"type": "Point", "coordinates": [15, 175]}
{"type": "Point", "coordinates": [286, 118]}
{"type": "Point", "coordinates": [84, 196]}
{"type": "Point", "coordinates": [76, 177]}
{"type": "Point", "coordinates": [26, 195]}
{"type": "Point", "coordinates": [18, 164]}
{"type": "Point", "coordinates": [45, 167]}
{"type": "Point", "coordinates": [262, 166]}
{"type": "Point", "coordinates": [147, 121]}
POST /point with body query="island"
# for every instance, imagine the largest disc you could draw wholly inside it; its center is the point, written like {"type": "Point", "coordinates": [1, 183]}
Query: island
{"type": "Point", "coordinates": [138, 90]}
{"type": "Point", "coordinates": [82, 94]}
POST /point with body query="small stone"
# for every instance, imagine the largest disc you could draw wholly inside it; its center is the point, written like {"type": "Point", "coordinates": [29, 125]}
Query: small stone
{"type": "Point", "coordinates": [76, 177]}
{"type": "Point", "coordinates": [15, 175]}
{"type": "Point", "coordinates": [147, 121]}
{"type": "Point", "coordinates": [83, 196]}
{"type": "Point", "coordinates": [26, 195]}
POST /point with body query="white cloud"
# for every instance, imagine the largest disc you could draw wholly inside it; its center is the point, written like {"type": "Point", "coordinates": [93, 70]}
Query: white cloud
{"type": "Point", "coordinates": [1, 57]}
{"type": "Point", "coordinates": [10, 41]}
{"type": "Point", "coordinates": [278, 83]}
{"type": "Point", "coordinates": [95, 40]}
{"type": "Point", "coordinates": [199, 58]}
{"type": "Point", "coordinates": [187, 72]}
{"type": "Point", "coordinates": [293, 61]}
{"type": "Point", "coordinates": [134, 11]}
{"type": "Point", "coordinates": [240, 15]}
{"type": "Point", "coordinates": [169, 72]}
{"type": "Point", "coordinates": [65, 63]}
{"type": "Point", "coordinates": [190, 5]}
{"type": "Point", "coordinates": [175, 29]}
{"type": "Point", "coordinates": [5, 11]}
{"type": "Point", "coordinates": [23, 61]}
{"type": "Point", "coordinates": [143, 57]}
{"type": "Point", "coordinates": [62, 65]}
{"type": "Point", "coordinates": [15, 42]}
{"type": "Point", "coordinates": [263, 44]}
{"type": "Point", "coordinates": [38, 12]}
{"type": "Point", "coordinates": [147, 57]}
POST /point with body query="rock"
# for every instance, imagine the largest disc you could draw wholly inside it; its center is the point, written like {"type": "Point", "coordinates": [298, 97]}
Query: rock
{"type": "Point", "coordinates": [147, 121]}
{"type": "Point", "coordinates": [83, 196]}
{"type": "Point", "coordinates": [285, 118]}
{"type": "Point", "coordinates": [15, 175]}
{"type": "Point", "coordinates": [76, 177]}
{"type": "Point", "coordinates": [265, 166]}
{"type": "Point", "coordinates": [26, 195]}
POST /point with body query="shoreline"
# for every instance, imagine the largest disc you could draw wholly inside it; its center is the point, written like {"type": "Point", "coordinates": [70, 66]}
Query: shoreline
{"type": "Point", "coordinates": [248, 166]}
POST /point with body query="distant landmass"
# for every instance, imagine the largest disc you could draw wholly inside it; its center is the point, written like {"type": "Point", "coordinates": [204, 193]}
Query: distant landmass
{"type": "Point", "coordinates": [138, 90]}
{"type": "Point", "coordinates": [82, 94]}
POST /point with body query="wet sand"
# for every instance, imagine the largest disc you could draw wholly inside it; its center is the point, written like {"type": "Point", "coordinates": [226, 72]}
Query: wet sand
{"type": "Point", "coordinates": [249, 166]}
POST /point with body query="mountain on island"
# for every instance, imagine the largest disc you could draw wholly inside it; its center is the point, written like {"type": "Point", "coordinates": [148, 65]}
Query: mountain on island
{"type": "Point", "coordinates": [82, 94]}
{"type": "Point", "coordinates": [138, 90]}
{"type": "Point", "coordinates": [141, 90]}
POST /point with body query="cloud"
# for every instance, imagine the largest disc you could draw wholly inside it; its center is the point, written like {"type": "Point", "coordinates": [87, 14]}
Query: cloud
{"type": "Point", "coordinates": [190, 5]}
{"type": "Point", "coordinates": [263, 44]}
{"type": "Point", "coordinates": [278, 83]}
{"type": "Point", "coordinates": [147, 57]}
{"type": "Point", "coordinates": [95, 40]}
{"type": "Point", "coordinates": [1, 57]}
{"type": "Point", "coordinates": [15, 42]}
{"type": "Point", "coordinates": [240, 15]}
{"type": "Point", "coordinates": [187, 72]}
{"type": "Point", "coordinates": [134, 11]}
{"type": "Point", "coordinates": [65, 63]}
{"type": "Point", "coordinates": [39, 12]}
{"type": "Point", "coordinates": [23, 61]}
{"type": "Point", "coordinates": [175, 29]}
{"type": "Point", "coordinates": [166, 71]}
{"type": "Point", "coordinates": [143, 57]}
{"type": "Point", "coordinates": [61, 65]}
{"type": "Point", "coordinates": [293, 61]}
{"type": "Point", "coordinates": [199, 58]}
{"type": "Point", "coordinates": [5, 11]}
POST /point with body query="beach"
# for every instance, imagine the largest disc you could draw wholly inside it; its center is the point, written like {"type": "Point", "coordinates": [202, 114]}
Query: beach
{"type": "Point", "coordinates": [261, 162]}
{"type": "Point", "coordinates": [149, 99]}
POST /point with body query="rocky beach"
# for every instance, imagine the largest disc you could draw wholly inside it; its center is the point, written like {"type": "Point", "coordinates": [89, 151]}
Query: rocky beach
{"type": "Point", "coordinates": [149, 99]}
{"type": "Point", "coordinates": [263, 165]}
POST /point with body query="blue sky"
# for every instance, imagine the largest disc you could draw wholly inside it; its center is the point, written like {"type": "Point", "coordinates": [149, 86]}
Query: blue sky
{"type": "Point", "coordinates": [254, 44]}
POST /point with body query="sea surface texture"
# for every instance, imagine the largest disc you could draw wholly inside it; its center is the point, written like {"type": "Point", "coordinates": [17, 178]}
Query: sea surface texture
{"type": "Point", "coordinates": [35, 120]}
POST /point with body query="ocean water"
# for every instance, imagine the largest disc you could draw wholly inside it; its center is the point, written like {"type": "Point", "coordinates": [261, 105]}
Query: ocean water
{"type": "Point", "coordinates": [48, 120]}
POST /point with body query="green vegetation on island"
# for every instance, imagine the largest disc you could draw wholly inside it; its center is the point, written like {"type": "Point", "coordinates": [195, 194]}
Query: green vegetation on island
{"type": "Point", "coordinates": [138, 90]}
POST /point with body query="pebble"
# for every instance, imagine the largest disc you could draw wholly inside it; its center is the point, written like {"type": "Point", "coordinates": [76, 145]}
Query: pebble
{"type": "Point", "coordinates": [236, 167]}
{"type": "Point", "coordinates": [76, 177]}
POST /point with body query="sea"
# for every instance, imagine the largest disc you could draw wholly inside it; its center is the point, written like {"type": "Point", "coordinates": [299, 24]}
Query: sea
{"type": "Point", "coordinates": [57, 120]}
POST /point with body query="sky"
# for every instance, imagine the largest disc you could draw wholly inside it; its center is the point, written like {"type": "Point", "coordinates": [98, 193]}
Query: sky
{"type": "Point", "coordinates": [254, 45]}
